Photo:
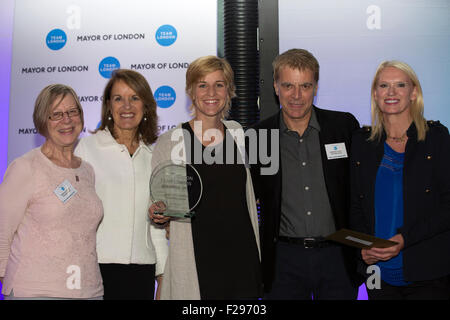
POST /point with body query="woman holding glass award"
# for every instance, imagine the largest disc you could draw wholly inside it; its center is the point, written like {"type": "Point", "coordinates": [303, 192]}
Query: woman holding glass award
{"type": "Point", "coordinates": [214, 249]}
{"type": "Point", "coordinates": [131, 250]}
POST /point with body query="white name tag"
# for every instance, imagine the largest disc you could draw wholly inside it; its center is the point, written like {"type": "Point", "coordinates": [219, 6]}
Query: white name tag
{"type": "Point", "coordinates": [65, 191]}
{"type": "Point", "coordinates": [336, 151]}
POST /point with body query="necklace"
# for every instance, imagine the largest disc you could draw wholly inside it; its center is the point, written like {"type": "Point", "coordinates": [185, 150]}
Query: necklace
{"type": "Point", "coordinates": [398, 139]}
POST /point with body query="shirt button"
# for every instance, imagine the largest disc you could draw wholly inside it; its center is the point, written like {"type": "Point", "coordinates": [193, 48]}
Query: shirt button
{"type": "Point", "coordinates": [301, 140]}
{"type": "Point", "coordinates": [306, 188]}
{"type": "Point", "coordinates": [308, 213]}
{"type": "Point", "coordinates": [303, 163]}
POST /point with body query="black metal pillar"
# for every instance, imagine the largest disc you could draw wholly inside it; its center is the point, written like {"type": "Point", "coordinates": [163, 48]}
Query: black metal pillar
{"type": "Point", "coordinates": [241, 51]}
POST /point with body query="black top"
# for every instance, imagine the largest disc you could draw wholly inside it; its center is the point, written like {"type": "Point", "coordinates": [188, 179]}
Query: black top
{"type": "Point", "coordinates": [226, 253]}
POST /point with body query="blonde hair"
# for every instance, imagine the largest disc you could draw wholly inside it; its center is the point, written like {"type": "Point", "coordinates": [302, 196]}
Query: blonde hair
{"type": "Point", "coordinates": [299, 59]}
{"type": "Point", "coordinates": [45, 101]}
{"type": "Point", "coordinates": [416, 108]}
{"type": "Point", "coordinates": [203, 66]}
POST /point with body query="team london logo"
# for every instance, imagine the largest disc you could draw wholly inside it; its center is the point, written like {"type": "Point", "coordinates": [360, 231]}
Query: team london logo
{"type": "Point", "coordinates": [56, 39]}
{"type": "Point", "coordinates": [166, 35]}
{"type": "Point", "coordinates": [165, 97]}
{"type": "Point", "coordinates": [107, 66]}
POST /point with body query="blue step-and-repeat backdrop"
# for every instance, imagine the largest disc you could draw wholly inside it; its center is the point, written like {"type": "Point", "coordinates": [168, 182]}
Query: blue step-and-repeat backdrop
{"type": "Point", "coordinates": [79, 43]}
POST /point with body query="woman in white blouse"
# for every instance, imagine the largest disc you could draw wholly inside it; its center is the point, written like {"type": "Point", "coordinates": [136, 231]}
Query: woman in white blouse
{"type": "Point", "coordinates": [131, 250]}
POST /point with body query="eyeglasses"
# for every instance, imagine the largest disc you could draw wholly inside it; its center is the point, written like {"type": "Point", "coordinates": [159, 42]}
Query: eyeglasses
{"type": "Point", "coordinates": [56, 116]}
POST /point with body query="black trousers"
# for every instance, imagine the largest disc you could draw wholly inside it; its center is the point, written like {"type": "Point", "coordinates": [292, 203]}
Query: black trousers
{"type": "Point", "coordinates": [438, 289]}
{"type": "Point", "coordinates": [128, 281]}
{"type": "Point", "coordinates": [313, 273]}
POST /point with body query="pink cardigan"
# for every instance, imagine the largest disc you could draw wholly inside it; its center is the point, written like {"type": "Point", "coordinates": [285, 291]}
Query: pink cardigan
{"type": "Point", "coordinates": [47, 247]}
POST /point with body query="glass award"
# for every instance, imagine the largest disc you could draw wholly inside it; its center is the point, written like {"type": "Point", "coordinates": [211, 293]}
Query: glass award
{"type": "Point", "coordinates": [176, 188]}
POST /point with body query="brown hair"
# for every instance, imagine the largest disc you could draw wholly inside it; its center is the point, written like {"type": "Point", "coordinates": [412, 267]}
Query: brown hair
{"type": "Point", "coordinates": [203, 66]}
{"type": "Point", "coordinates": [147, 130]}
{"type": "Point", "coordinates": [300, 59]}
{"type": "Point", "coordinates": [45, 101]}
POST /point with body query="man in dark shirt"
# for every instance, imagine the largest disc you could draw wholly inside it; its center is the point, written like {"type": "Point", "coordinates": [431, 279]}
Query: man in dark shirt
{"type": "Point", "coordinates": [308, 198]}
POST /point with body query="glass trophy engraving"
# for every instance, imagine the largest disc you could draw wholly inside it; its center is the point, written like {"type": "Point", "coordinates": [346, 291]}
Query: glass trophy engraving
{"type": "Point", "coordinates": [176, 188]}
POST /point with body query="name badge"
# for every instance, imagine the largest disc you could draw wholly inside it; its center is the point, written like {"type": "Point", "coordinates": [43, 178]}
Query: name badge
{"type": "Point", "coordinates": [336, 151]}
{"type": "Point", "coordinates": [65, 191]}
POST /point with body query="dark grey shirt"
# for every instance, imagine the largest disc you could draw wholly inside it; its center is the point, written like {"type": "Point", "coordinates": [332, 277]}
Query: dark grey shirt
{"type": "Point", "coordinates": [305, 207]}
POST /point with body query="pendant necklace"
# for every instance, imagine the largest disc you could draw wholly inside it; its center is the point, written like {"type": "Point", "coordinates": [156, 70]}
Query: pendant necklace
{"type": "Point", "coordinates": [398, 139]}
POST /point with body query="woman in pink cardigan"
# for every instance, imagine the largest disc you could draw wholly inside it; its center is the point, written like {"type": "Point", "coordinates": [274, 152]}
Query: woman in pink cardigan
{"type": "Point", "coordinates": [49, 211]}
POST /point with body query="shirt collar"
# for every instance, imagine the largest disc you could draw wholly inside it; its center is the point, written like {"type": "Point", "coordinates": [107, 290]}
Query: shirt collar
{"type": "Point", "coordinates": [105, 139]}
{"type": "Point", "coordinates": [313, 123]}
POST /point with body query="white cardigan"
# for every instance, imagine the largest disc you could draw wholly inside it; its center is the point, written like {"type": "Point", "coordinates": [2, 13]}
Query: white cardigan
{"type": "Point", "coordinates": [125, 234]}
{"type": "Point", "coordinates": [180, 274]}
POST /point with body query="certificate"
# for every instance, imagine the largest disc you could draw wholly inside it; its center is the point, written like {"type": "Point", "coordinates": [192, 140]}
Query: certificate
{"type": "Point", "coordinates": [359, 240]}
